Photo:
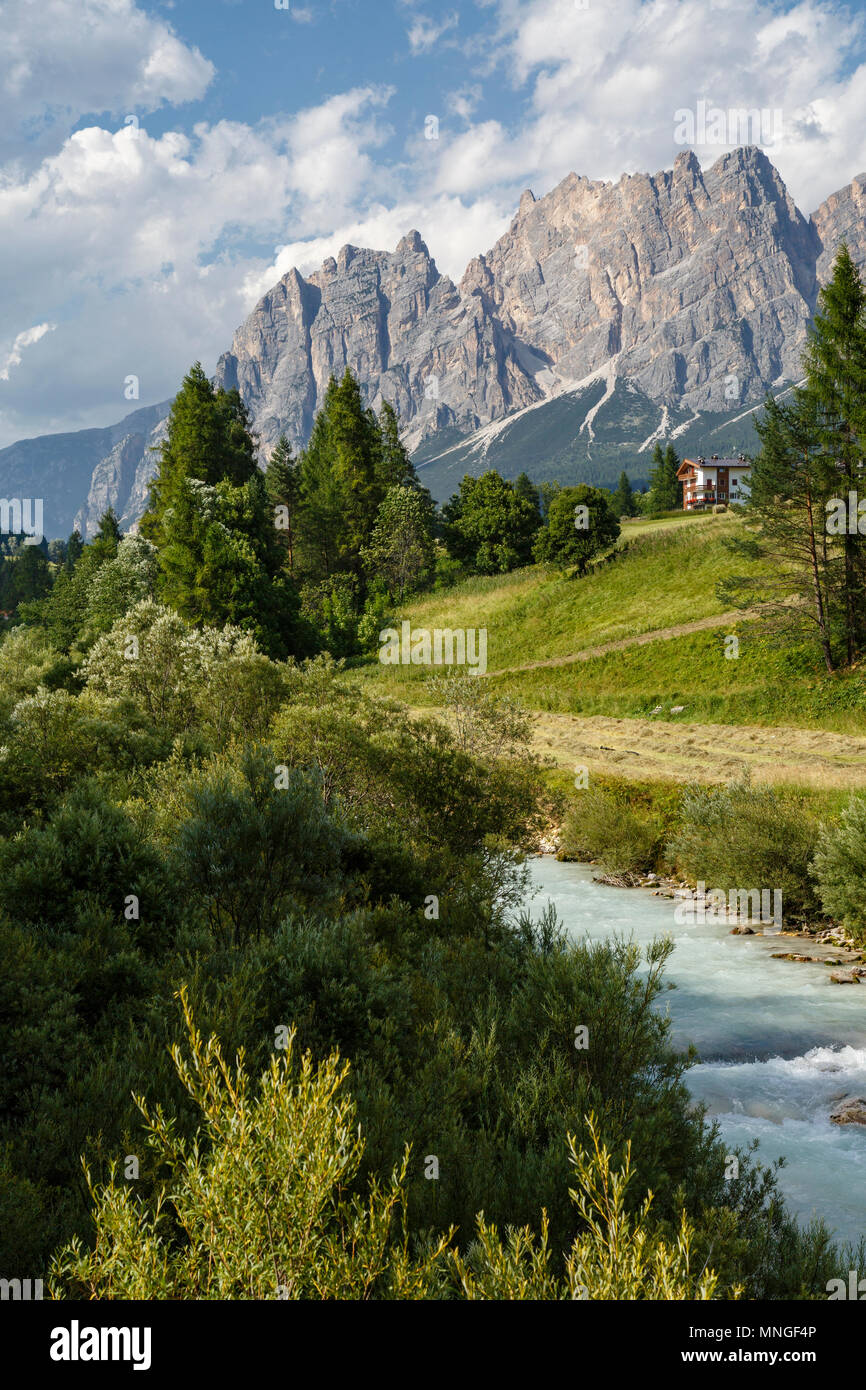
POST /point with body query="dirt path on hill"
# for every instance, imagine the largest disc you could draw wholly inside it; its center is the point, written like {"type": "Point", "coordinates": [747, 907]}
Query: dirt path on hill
{"type": "Point", "coordinates": [661, 634]}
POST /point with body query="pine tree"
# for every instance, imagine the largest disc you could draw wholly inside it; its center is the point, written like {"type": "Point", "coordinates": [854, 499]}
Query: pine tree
{"type": "Point", "coordinates": [673, 488]}
{"type": "Point", "coordinates": [341, 484]}
{"type": "Point", "coordinates": [787, 504]}
{"type": "Point", "coordinates": [835, 363]}
{"type": "Point", "coordinates": [74, 547]}
{"type": "Point", "coordinates": [666, 492]}
{"type": "Point", "coordinates": [656, 478]}
{"type": "Point", "coordinates": [396, 468]}
{"type": "Point", "coordinates": [107, 538]}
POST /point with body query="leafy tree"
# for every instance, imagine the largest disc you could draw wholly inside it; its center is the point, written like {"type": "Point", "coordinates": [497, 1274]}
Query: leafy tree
{"type": "Point", "coordinates": [490, 525]}
{"type": "Point", "coordinates": [122, 582]}
{"type": "Point", "coordinates": [255, 839]}
{"type": "Point", "coordinates": [179, 677]}
{"type": "Point", "coordinates": [616, 1256]}
{"type": "Point", "coordinates": [840, 868]}
{"type": "Point", "coordinates": [581, 525]}
{"type": "Point", "coordinates": [401, 549]}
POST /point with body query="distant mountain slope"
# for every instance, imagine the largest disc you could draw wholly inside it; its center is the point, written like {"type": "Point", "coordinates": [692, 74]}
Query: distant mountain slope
{"type": "Point", "coordinates": [607, 313]}
{"type": "Point", "coordinates": [587, 434]}
{"type": "Point", "coordinates": [65, 469]}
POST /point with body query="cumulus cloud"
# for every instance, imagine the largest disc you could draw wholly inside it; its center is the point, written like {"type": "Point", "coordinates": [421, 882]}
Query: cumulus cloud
{"type": "Point", "coordinates": [605, 84]}
{"type": "Point", "coordinates": [61, 61]}
{"type": "Point", "coordinates": [147, 251]}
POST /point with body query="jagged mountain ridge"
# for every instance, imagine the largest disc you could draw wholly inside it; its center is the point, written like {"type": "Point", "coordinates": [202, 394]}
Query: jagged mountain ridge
{"type": "Point", "coordinates": [653, 304]}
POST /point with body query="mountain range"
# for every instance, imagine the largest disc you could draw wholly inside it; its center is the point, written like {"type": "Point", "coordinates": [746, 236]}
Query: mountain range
{"type": "Point", "coordinates": [607, 316]}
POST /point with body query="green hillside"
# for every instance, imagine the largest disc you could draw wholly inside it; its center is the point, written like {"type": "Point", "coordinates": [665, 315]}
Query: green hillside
{"type": "Point", "coordinates": [664, 576]}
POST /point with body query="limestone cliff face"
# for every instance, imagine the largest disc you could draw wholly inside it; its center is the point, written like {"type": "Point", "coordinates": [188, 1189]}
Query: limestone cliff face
{"type": "Point", "coordinates": [842, 217]}
{"type": "Point", "coordinates": [122, 480]}
{"type": "Point", "coordinates": [693, 289]}
{"type": "Point", "coordinates": [697, 286]}
{"type": "Point", "coordinates": [700, 285]}
{"type": "Point", "coordinates": [437, 355]}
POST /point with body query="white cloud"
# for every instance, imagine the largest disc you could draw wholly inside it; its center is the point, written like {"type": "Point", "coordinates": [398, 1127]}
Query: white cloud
{"type": "Point", "coordinates": [27, 338]}
{"type": "Point", "coordinates": [146, 252]}
{"type": "Point", "coordinates": [424, 34]}
{"type": "Point", "coordinates": [61, 61]}
{"type": "Point", "coordinates": [605, 82]}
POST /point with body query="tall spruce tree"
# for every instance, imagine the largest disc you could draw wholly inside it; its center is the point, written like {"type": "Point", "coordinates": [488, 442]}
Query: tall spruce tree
{"type": "Point", "coordinates": [623, 502]}
{"type": "Point", "coordinates": [341, 485]}
{"type": "Point", "coordinates": [208, 439]}
{"type": "Point", "coordinates": [282, 484]}
{"type": "Point", "coordinates": [673, 488]}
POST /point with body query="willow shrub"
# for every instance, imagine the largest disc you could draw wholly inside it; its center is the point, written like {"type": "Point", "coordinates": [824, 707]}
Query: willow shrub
{"type": "Point", "coordinates": [625, 838]}
{"type": "Point", "coordinates": [745, 836]}
{"type": "Point", "coordinates": [840, 867]}
{"type": "Point", "coordinates": [259, 1206]}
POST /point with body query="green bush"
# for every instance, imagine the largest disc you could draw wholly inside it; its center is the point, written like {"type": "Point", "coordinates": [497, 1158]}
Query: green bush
{"type": "Point", "coordinates": [840, 868]}
{"type": "Point", "coordinates": [602, 826]}
{"type": "Point", "coordinates": [744, 836]}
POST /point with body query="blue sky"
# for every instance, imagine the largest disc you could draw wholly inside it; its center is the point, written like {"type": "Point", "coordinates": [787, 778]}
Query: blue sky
{"type": "Point", "coordinates": [161, 165]}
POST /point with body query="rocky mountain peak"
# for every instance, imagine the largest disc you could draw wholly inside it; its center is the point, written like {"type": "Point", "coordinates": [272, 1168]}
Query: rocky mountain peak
{"type": "Point", "coordinates": [693, 287]}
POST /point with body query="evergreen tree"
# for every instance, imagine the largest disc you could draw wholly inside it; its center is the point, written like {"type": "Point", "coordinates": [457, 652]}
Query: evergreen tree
{"type": "Point", "coordinates": [341, 485]}
{"type": "Point", "coordinates": [208, 439]}
{"type": "Point", "coordinates": [835, 363]}
{"type": "Point", "coordinates": [74, 547]}
{"type": "Point", "coordinates": [107, 537]}
{"type": "Point", "coordinates": [673, 486]}
{"type": "Point", "coordinates": [396, 468]}
{"type": "Point", "coordinates": [623, 502]}
{"type": "Point", "coordinates": [282, 484]}
{"type": "Point", "coordinates": [211, 521]}
{"type": "Point", "coordinates": [786, 507]}
{"type": "Point", "coordinates": [665, 492]}
{"type": "Point", "coordinates": [31, 575]}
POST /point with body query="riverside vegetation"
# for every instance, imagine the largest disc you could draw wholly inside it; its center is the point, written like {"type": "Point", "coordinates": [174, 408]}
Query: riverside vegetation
{"type": "Point", "coordinates": [274, 1020]}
